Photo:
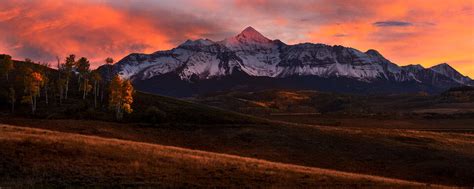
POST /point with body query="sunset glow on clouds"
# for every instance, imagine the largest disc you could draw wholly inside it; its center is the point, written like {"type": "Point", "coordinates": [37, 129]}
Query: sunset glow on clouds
{"type": "Point", "coordinates": [424, 32]}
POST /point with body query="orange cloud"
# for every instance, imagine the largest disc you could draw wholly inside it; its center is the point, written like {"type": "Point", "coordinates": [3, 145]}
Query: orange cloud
{"type": "Point", "coordinates": [421, 33]}
{"type": "Point", "coordinates": [41, 30]}
{"type": "Point", "coordinates": [406, 32]}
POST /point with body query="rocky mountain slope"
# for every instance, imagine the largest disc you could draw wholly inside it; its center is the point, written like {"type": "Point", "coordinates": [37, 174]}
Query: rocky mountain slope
{"type": "Point", "coordinates": [250, 56]}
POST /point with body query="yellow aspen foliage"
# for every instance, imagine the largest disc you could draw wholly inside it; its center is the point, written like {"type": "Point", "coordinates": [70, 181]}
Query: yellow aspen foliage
{"type": "Point", "coordinates": [33, 82]}
{"type": "Point", "coordinates": [120, 96]}
{"type": "Point", "coordinates": [115, 95]}
{"type": "Point", "coordinates": [88, 88]}
{"type": "Point", "coordinates": [127, 96]}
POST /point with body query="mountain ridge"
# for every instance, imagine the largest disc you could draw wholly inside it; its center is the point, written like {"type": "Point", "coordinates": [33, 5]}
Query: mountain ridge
{"type": "Point", "coordinates": [255, 55]}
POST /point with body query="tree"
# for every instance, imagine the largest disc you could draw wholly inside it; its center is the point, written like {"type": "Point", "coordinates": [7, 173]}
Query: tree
{"type": "Point", "coordinates": [95, 76]}
{"type": "Point", "coordinates": [44, 71]}
{"type": "Point", "coordinates": [83, 67]}
{"type": "Point", "coordinates": [121, 96]}
{"type": "Point", "coordinates": [6, 65]}
{"type": "Point", "coordinates": [115, 95]}
{"type": "Point", "coordinates": [127, 96]}
{"type": "Point", "coordinates": [109, 61]}
{"type": "Point", "coordinates": [108, 65]}
{"type": "Point", "coordinates": [33, 81]}
{"type": "Point", "coordinates": [67, 69]}
{"type": "Point", "coordinates": [154, 115]}
{"type": "Point", "coordinates": [60, 82]}
{"type": "Point", "coordinates": [86, 86]}
{"type": "Point", "coordinates": [12, 97]}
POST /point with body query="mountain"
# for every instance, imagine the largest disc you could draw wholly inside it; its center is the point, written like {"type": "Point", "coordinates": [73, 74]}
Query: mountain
{"type": "Point", "coordinates": [250, 61]}
{"type": "Point", "coordinates": [448, 71]}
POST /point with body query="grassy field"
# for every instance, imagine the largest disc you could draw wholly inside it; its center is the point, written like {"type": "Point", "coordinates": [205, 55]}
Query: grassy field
{"type": "Point", "coordinates": [42, 158]}
{"type": "Point", "coordinates": [452, 125]}
{"type": "Point", "coordinates": [427, 157]}
{"type": "Point", "coordinates": [445, 112]}
{"type": "Point", "coordinates": [386, 145]}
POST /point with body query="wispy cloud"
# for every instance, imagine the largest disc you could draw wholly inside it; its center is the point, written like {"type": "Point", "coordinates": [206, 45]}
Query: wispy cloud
{"type": "Point", "coordinates": [340, 35]}
{"type": "Point", "coordinates": [392, 24]}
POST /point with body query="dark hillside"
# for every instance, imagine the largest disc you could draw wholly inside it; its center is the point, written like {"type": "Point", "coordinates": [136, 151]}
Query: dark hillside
{"type": "Point", "coordinates": [147, 108]}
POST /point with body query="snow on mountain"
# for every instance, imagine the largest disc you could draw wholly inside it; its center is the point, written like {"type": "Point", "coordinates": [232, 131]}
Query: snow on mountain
{"type": "Point", "coordinates": [199, 42]}
{"type": "Point", "coordinates": [448, 71]}
{"type": "Point", "coordinates": [413, 68]}
{"type": "Point", "coordinates": [154, 64]}
{"type": "Point", "coordinates": [256, 55]}
{"type": "Point", "coordinates": [326, 61]}
{"type": "Point", "coordinates": [247, 39]}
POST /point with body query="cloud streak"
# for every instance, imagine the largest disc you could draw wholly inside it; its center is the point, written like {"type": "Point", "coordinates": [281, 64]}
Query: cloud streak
{"type": "Point", "coordinates": [392, 24]}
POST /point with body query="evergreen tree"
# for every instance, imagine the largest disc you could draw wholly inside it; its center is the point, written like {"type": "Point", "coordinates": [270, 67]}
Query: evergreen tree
{"type": "Point", "coordinates": [60, 82]}
{"type": "Point", "coordinates": [68, 66]}
{"type": "Point", "coordinates": [109, 61]}
{"type": "Point", "coordinates": [83, 68]}
{"type": "Point", "coordinates": [6, 65]}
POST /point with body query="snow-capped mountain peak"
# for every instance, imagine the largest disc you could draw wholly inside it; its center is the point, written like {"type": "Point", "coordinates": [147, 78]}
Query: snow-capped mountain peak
{"type": "Point", "coordinates": [250, 34]}
{"type": "Point", "coordinates": [443, 67]}
{"type": "Point", "coordinates": [448, 71]}
{"type": "Point", "coordinates": [252, 54]}
{"type": "Point", "coordinates": [248, 39]}
{"type": "Point", "coordinates": [374, 54]}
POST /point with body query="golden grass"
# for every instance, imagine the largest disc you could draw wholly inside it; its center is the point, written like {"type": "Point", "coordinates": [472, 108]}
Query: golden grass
{"type": "Point", "coordinates": [427, 157]}
{"type": "Point", "coordinates": [292, 95]}
{"type": "Point", "coordinates": [49, 158]}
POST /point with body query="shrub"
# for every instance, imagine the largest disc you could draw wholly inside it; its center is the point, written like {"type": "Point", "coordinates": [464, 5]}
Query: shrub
{"type": "Point", "coordinates": [154, 115]}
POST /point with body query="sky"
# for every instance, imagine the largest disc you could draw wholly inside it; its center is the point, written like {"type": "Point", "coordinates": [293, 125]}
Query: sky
{"type": "Point", "coordinates": [426, 32]}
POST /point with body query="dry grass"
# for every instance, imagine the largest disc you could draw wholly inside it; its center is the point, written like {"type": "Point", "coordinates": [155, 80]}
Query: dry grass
{"type": "Point", "coordinates": [428, 157]}
{"type": "Point", "coordinates": [279, 99]}
{"type": "Point", "coordinates": [375, 122]}
{"type": "Point", "coordinates": [42, 158]}
{"type": "Point", "coordinates": [292, 95]}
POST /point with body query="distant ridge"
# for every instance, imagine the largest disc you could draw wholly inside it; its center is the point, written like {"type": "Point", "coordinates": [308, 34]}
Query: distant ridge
{"type": "Point", "coordinates": [203, 65]}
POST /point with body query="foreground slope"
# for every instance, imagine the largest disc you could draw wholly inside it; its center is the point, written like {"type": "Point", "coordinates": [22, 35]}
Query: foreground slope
{"type": "Point", "coordinates": [42, 158]}
{"type": "Point", "coordinates": [428, 157]}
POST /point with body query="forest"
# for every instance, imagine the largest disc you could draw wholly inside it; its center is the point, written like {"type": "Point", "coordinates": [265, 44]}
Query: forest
{"type": "Point", "coordinates": [36, 89]}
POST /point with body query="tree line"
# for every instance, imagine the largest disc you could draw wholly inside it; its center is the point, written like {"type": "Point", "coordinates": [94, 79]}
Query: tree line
{"type": "Point", "coordinates": [35, 81]}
